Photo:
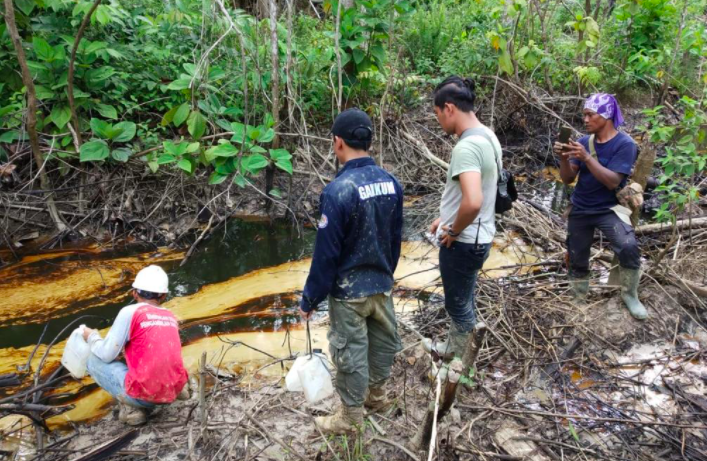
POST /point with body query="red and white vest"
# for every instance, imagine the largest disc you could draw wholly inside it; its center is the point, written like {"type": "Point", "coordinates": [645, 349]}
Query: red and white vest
{"type": "Point", "coordinates": [154, 356]}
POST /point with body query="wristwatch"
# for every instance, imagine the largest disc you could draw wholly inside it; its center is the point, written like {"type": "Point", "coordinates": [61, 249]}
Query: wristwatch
{"type": "Point", "coordinates": [451, 233]}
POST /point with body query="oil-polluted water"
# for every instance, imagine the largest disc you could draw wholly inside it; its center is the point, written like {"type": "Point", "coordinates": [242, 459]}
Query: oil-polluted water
{"type": "Point", "coordinates": [237, 288]}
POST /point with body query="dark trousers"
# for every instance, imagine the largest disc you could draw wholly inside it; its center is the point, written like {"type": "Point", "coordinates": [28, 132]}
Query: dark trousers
{"type": "Point", "coordinates": [459, 266]}
{"type": "Point", "coordinates": [580, 236]}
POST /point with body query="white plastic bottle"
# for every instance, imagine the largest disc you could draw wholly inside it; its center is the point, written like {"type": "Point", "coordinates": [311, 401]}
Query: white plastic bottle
{"type": "Point", "coordinates": [76, 354]}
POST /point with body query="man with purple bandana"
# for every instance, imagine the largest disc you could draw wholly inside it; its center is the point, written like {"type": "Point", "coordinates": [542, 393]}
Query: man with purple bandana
{"type": "Point", "coordinates": [602, 171]}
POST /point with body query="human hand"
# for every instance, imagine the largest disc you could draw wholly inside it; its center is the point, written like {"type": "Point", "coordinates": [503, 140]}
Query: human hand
{"type": "Point", "coordinates": [87, 332]}
{"type": "Point", "coordinates": [305, 315]}
{"type": "Point", "coordinates": [560, 150]}
{"type": "Point", "coordinates": [577, 151]}
{"type": "Point", "coordinates": [434, 226]}
{"type": "Point", "coordinates": [446, 239]}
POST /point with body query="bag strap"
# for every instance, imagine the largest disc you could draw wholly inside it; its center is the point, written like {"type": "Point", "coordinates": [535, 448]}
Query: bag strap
{"type": "Point", "coordinates": [592, 148]}
{"type": "Point", "coordinates": [496, 158]}
{"type": "Point", "coordinates": [484, 134]}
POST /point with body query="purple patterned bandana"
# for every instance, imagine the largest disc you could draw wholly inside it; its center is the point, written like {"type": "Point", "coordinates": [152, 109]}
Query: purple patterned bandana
{"type": "Point", "coordinates": [605, 105]}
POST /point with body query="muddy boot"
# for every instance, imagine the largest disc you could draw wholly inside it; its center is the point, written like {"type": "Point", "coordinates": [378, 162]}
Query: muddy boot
{"type": "Point", "coordinates": [458, 340]}
{"type": "Point", "coordinates": [347, 420]}
{"type": "Point", "coordinates": [630, 278]}
{"type": "Point", "coordinates": [446, 349]}
{"type": "Point", "coordinates": [580, 288]}
{"type": "Point", "coordinates": [377, 398]}
{"type": "Point", "coordinates": [440, 348]}
{"type": "Point", "coordinates": [132, 416]}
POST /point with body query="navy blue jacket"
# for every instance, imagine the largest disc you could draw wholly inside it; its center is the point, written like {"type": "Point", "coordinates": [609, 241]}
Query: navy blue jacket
{"type": "Point", "coordinates": [358, 236]}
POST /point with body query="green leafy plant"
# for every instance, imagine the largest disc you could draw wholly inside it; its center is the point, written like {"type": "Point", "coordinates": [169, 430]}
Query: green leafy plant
{"type": "Point", "coordinates": [685, 159]}
{"type": "Point", "coordinates": [108, 136]}
{"type": "Point", "coordinates": [244, 154]}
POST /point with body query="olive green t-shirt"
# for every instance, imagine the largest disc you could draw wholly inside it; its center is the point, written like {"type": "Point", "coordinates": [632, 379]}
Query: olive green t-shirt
{"type": "Point", "coordinates": [474, 152]}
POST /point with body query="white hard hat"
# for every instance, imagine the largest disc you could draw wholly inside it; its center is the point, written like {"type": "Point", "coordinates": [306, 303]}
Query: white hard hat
{"type": "Point", "coordinates": [152, 279]}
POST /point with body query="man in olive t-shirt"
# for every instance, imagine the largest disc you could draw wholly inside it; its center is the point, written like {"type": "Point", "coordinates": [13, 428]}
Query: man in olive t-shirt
{"type": "Point", "coordinates": [465, 228]}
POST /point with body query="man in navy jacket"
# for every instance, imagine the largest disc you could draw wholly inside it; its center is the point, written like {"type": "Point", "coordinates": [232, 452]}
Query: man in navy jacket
{"type": "Point", "coordinates": [355, 255]}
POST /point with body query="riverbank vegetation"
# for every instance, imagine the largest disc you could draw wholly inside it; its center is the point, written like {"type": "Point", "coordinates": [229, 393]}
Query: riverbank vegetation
{"type": "Point", "coordinates": [118, 114]}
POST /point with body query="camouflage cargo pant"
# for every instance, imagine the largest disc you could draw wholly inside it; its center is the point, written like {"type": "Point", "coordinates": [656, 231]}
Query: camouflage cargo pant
{"type": "Point", "coordinates": [363, 341]}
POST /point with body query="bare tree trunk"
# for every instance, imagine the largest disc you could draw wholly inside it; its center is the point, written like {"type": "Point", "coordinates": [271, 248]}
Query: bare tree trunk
{"type": "Point", "coordinates": [44, 180]}
{"type": "Point", "coordinates": [340, 90]}
{"type": "Point", "coordinates": [70, 77]}
{"type": "Point", "coordinates": [669, 70]}
{"type": "Point", "coordinates": [337, 48]}
{"type": "Point", "coordinates": [275, 81]}
{"type": "Point", "coordinates": [289, 64]}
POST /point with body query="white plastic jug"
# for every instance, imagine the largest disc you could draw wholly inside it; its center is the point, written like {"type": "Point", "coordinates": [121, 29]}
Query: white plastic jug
{"type": "Point", "coordinates": [315, 377]}
{"type": "Point", "coordinates": [76, 354]}
{"type": "Point", "coordinates": [292, 382]}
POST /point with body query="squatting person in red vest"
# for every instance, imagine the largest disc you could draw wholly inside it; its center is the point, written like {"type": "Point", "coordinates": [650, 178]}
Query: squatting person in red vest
{"type": "Point", "coordinates": [149, 335]}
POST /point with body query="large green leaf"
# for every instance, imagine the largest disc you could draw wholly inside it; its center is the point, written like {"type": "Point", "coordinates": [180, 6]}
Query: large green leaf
{"type": "Point", "coordinates": [107, 111]}
{"type": "Point", "coordinates": [169, 116]}
{"type": "Point", "coordinates": [280, 154]}
{"type": "Point", "coordinates": [103, 14]}
{"type": "Point", "coordinates": [43, 93]}
{"type": "Point", "coordinates": [8, 109]}
{"type": "Point", "coordinates": [44, 50]}
{"type": "Point", "coordinates": [216, 178]}
{"type": "Point", "coordinates": [100, 74]}
{"type": "Point", "coordinates": [254, 163]}
{"type": "Point", "coordinates": [225, 149]}
{"type": "Point", "coordinates": [61, 114]}
{"type": "Point", "coordinates": [179, 84]}
{"type": "Point", "coordinates": [504, 61]}
{"type": "Point", "coordinates": [266, 135]}
{"type": "Point", "coordinates": [239, 180]}
{"type": "Point", "coordinates": [240, 132]}
{"type": "Point", "coordinates": [186, 165]}
{"type": "Point", "coordinates": [196, 125]}
{"type": "Point", "coordinates": [121, 154]}
{"type": "Point", "coordinates": [127, 131]}
{"type": "Point", "coordinates": [26, 6]}
{"type": "Point", "coordinates": [181, 115]}
{"type": "Point", "coordinates": [177, 150]}
{"type": "Point", "coordinates": [378, 53]}
{"type": "Point", "coordinates": [165, 159]}
{"type": "Point", "coordinates": [358, 56]}
{"type": "Point", "coordinates": [101, 128]}
{"type": "Point", "coordinates": [284, 165]}
{"type": "Point", "coordinates": [254, 132]}
{"type": "Point", "coordinates": [94, 151]}
{"type": "Point", "coordinates": [9, 136]}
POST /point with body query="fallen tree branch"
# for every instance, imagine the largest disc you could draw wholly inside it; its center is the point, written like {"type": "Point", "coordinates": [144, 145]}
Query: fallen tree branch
{"type": "Point", "coordinates": [592, 418]}
{"type": "Point", "coordinates": [695, 223]}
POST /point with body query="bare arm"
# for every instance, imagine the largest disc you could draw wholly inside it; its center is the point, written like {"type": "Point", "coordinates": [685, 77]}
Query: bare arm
{"type": "Point", "coordinates": [610, 179]}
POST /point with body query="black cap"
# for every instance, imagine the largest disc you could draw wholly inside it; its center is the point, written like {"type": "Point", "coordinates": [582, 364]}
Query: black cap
{"type": "Point", "coordinates": [353, 125]}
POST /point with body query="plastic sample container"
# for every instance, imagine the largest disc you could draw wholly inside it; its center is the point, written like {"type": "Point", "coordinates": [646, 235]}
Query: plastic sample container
{"type": "Point", "coordinates": [310, 374]}
{"type": "Point", "coordinates": [76, 354]}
